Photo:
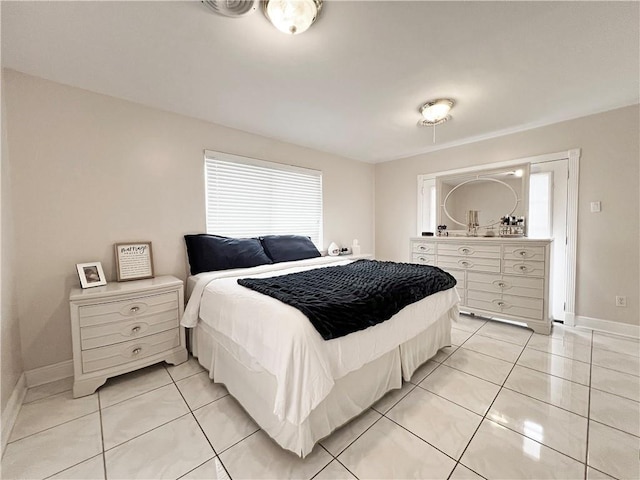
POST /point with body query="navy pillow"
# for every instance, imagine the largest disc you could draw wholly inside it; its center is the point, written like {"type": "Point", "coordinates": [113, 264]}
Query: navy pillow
{"type": "Point", "coordinates": [211, 252]}
{"type": "Point", "coordinates": [287, 248]}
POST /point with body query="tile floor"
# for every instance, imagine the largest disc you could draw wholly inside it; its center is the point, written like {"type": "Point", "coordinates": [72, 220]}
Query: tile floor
{"type": "Point", "coordinates": [502, 402]}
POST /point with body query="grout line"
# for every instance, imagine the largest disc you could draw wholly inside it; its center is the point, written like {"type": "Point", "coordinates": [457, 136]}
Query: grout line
{"type": "Point", "coordinates": [104, 457]}
{"type": "Point", "coordinates": [50, 428]}
{"type": "Point", "coordinates": [586, 450]}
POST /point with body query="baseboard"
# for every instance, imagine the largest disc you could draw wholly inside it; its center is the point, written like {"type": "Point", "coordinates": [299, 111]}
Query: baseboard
{"type": "Point", "coordinates": [570, 319]}
{"type": "Point", "coordinates": [10, 412]}
{"type": "Point", "coordinates": [50, 373]}
{"type": "Point", "coordinates": [608, 326]}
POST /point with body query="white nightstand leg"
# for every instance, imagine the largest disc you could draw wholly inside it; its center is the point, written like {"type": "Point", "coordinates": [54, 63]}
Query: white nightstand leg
{"type": "Point", "coordinates": [177, 357]}
{"type": "Point", "coordinates": [82, 388]}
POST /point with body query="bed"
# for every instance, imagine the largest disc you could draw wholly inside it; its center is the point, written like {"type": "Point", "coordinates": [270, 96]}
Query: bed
{"type": "Point", "coordinates": [297, 386]}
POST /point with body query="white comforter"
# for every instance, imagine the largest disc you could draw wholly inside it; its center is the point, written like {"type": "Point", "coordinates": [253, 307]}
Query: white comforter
{"type": "Point", "coordinates": [283, 341]}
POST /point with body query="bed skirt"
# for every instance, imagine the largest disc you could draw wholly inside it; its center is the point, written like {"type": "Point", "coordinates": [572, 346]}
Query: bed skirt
{"type": "Point", "coordinates": [255, 388]}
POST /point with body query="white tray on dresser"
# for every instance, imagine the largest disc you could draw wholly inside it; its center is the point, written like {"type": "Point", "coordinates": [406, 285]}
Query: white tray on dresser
{"type": "Point", "coordinates": [501, 278]}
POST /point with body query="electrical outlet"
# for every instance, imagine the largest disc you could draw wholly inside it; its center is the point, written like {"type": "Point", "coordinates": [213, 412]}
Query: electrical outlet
{"type": "Point", "coordinates": [621, 301]}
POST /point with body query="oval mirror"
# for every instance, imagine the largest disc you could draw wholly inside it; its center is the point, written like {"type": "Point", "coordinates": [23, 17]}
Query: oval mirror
{"type": "Point", "coordinates": [490, 197]}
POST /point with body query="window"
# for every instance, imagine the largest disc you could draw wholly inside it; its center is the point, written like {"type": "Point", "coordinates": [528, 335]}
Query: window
{"type": "Point", "coordinates": [247, 198]}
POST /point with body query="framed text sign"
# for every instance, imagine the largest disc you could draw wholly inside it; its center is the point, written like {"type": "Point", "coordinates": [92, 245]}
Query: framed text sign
{"type": "Point", "coordinates": [134, 260]}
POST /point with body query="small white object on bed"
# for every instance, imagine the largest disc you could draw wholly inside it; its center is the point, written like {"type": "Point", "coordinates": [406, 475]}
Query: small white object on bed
{"type": "Point", "coordinates": [297, 386]}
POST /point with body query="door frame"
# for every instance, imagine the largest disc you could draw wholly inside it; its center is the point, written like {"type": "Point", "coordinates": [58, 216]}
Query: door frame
{"type": "Point", "coordinates": [573, 157]}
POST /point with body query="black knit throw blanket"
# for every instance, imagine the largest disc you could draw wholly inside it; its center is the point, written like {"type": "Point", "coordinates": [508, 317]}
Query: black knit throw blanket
{"type": "Point", "coordinates": [347, 298]}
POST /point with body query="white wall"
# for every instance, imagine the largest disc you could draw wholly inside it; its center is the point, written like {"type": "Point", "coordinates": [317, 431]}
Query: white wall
{"type": "Point", "coordinates": [90, 170]}
{"type": "Point", "coordinates": [608, 242]}
{"type": "Point", "coordinates": [11, 356]}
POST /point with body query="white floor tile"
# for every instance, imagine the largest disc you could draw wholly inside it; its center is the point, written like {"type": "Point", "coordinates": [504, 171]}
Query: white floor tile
{"type": "Point", "coordinates": [387, 450]}
{"type": "Point", "coordinates": [199, 389]}
{"type": "Point", "coordinates": [552, 426]}
{"type": "Point", "coordinates": [210, 470]}
{"type": "Point", "coordinates": [458, 337]}
{"type": "Point", "coordinates": [334, 471]}
{"type": "Point", "coordinates": [547, 388]}
{"type": "Point", "coordinates": [436, 420]}
{"type": "Point", "coordinates": [576, 351]}
{"type": "Point", "coordinates": [92, 469]}
{"type": "Point", "coordinates": [126, 420]}
{"type": "Point", "coordinates": [391, 398]}
{"type": "Point", "coordinates": [617, 343]}
{"type": "Point", "coordinates": [571, 334]}
{"type": "Point", "coordinates": [615, 382]}
{"type": "Point", "coordinates": [615, 411]}
{"type": "Point", "coordinates": [461, 388]}
{"type": "Point", "coordinates": [168, 451]}
{"type": "Point", "coordinates": [51, 411]}
{"type": "Point", "coordinates": [556, 365]}
{"type": "Point", "coordinates": [480, 365]}
{"type": "Point", "coordinates": [48, 389]}
{"type": "Point", "coordinates": [443, 354]}
{"type": "Point", "coordinates": [463, 473]}
{"type": "Point", "coordinates": [616, 361]}
{"type": "Point", "coordinates": [422, 372]}
{"type": "Point", "coordinates": [225, 422]}
{"type": "Point", "coordinates": [184, 370]}
{"type": "Point", "coordinates": [497, 452]}
{"type": "Point", "coordinates": [345, 435]}
{"type": "Point", "coordinates": [613, 452]}
{"type": "Point", "coordinates": [259, 457]}
{"type": "Point", "coordinates": [506, 351]}
{"type": "Point", "coordinates": [467, 323]}
{"type": "Point", "coordinates": [53, 450]}
{"type": "Point", "coordinates": [131, 384]}
{"type": "Point", "coordinates": [506, 332]}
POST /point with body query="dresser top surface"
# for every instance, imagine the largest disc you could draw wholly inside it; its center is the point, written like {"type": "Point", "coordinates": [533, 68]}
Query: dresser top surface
{"type": "Point", "coordinates": [465, 239]}
{"type": "Point", "coordinates": [121, 288]}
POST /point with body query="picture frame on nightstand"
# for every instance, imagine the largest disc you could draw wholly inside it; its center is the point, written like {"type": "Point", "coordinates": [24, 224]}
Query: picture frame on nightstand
{"type": "Point", "coordinates": [91, 274]}
{"type": "Point", "coordinates": [134, 261]}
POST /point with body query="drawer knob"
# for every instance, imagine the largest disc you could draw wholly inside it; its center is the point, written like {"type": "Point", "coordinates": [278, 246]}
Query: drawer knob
{"type": "Point", "coordinates": [502, 284]}
{"type": "Point", "coordinates": [465, 264]}
{"type": "Point", "coordinates": [135, 329]}
{"type": "Point", "coordinates": [500, 304]}
{"type": "Point", "coordinates": [422, 247]}
{"type": "Point", "coordinates": [523, 268]}
{"type": "Point", "coordinates": [422, 259]}
{"type": "Point", "coordinates": [523, 253]}
{"type": "Point", "coordinates": [134, 309]}
{"type": "Point", "coordinates": [465, 250]}
{"type": "Point", "coordinates": [136, 351]}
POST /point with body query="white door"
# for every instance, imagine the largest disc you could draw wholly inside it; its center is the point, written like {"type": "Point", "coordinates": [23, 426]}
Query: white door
{"type": "Point", "coordinates": [548, 219]}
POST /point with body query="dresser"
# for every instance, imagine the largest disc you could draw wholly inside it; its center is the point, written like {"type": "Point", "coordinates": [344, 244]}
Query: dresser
{"type": "Point", "coordinates": [121, 327]}
{"type": "Point", "coordinates": [500, 278]}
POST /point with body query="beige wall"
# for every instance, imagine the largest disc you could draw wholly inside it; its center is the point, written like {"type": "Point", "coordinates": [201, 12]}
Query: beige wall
{"type": "Point", "coordinates": [10, 357]}
{"type": "Point", "coordinates": [90, 170]}
{"type": "Point", "coordinates": [608, 246]}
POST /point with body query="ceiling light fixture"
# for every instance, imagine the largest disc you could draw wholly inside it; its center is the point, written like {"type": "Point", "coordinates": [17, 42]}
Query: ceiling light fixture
{"type": "Point", "coordinates": [435, 112]}
{"type": "Point", "coordinates": [292, 16]}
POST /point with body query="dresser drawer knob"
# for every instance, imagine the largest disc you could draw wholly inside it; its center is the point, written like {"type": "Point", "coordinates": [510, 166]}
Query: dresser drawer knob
{"type": "Point", "coordinates": [500, 304]}
{"type": "Point", "coordinates": [502, 284]}
{"type": "Point", "coordinates": [465, 251]}
{"type": "Point", "coordinates": [422, 247]}
{"type": "Point", "coordinates": [135, 329]}
{"type": "Point", "coordinates": [134, 309]}
{"type": "Point", "coordinates": [422, 259]}
{"type": "Point", "coordinates": [136, 351]}
{"type": "Point", "coordinates": [523, 268]}
{"type": "Point", "coordinates": [465, 263]}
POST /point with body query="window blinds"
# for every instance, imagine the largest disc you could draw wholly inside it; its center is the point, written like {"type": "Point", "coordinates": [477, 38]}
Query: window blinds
{"type": "Point", "coordinates": [248, 198]}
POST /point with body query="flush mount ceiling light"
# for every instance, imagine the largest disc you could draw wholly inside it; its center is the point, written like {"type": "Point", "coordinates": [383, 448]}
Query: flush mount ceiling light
{"type": "Point", "coordinates": [292, 16]}
{"type": "Point", "coordinates": [232, 8]}
{"type": "Point", "coordinates": [435, 112]}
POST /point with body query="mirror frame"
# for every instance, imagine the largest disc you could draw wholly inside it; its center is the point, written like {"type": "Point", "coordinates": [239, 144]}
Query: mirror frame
{"type": "Point", "coordinates": [484, 175]}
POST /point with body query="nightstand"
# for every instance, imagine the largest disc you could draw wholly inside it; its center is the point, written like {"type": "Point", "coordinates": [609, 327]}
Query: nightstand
{"type": "Point", "coordinates": [121, 327]}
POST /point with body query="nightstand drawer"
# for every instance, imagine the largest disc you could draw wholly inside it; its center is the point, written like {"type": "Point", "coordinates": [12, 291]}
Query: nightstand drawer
{"type": "Point", "coordinates": [117, 332]}
{"type": "Point", "coordinates": [126, 352]}
{"type": "Point", "coordinates": [117, 311]}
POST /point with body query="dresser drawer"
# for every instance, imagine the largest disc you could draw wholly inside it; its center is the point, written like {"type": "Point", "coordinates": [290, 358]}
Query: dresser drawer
{"type": "Point", "coordinates": [518, 252]}
{"type": "Point", "coordinates": [507, 304]}
{"type": "Point", "coordinates": [518, 267]}
{"type": "Point", "coordinates": [475, 263]}
{"type": "Point", "coordinates": [121, 310]}
{"type": "Point", "coordinates": [424, 259]}
{"type": "Point", "coordinates": [423, 247]}
{"type": "Point", "coordinates": [122, 331]}
{"type": "Point", "coordinates": [122, 353]}
{"type": "Point", "coordinates": [486, 251]}
{"type": "Point", "coordinates": [524, 286]}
